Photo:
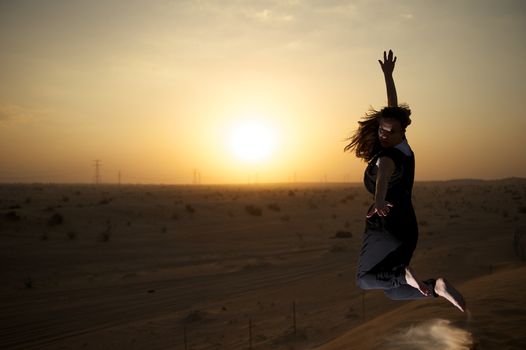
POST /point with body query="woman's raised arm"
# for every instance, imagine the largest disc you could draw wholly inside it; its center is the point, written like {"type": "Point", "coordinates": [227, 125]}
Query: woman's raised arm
{"type": "Point", "coordinates": [388, 65]}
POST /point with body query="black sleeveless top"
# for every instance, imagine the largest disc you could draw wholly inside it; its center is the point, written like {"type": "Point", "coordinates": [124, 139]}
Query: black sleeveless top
{"type": "Point", "coordinates": [400, 187]}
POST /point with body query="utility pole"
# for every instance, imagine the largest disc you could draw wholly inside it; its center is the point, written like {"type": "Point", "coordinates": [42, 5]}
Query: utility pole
{"type": "Point", "coordinates": [197, 177]}
{"type": "Point", "coordinates": [97, 171]}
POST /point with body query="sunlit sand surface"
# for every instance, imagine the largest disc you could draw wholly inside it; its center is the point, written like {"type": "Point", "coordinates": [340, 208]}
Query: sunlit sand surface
{"type": "Point", "coordinates": [435, 334]}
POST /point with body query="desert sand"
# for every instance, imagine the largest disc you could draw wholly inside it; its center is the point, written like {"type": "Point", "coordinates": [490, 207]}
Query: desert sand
{"type": "Point", "coordinates": [260, 266]}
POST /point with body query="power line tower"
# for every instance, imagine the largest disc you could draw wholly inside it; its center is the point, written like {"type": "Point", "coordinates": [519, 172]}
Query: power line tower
{"type": "Point", "coordinates": [97, 171]}
{"type": "Point", "coordinates": [197, 177]}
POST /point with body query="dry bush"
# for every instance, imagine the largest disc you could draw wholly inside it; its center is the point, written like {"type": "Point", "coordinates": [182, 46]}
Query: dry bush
{"type": "Point", "coordinates": [190, 209]}
{"type": "Point", "coordinates": [254, 210]}
{"type": "Point", "coordinates": [274, 207]}
{"type": "Point", "coordinates": [195, 316]}
{"type": "Point", "coordinates": [105, 236]}
{"type": "Point", "coordinates": [55, 219]}
{"type": "Point", "coordinates": [338, 248]}
{"type": "Point", "coordinates": [343, 234]}
{"type": "Point", "coordinates": [12, 216]}
{"type": "Point", "coordinates": [105, 201]}
{"type": "Point", "coordinates": [313, 206]}
{"type": "Point", "coordinates": [28, 282]}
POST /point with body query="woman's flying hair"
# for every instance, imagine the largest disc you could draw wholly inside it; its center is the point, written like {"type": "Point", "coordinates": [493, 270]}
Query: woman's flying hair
{"type": "Point", "coordinates": [364, 142]}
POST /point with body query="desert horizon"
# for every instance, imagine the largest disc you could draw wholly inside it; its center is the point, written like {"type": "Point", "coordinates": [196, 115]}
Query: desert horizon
{"type": "Point", "coordinates": [277, 183]}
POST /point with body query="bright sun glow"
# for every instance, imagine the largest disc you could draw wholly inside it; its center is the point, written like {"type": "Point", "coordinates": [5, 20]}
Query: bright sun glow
{"type": "Point", "coordinates": [252, 141]}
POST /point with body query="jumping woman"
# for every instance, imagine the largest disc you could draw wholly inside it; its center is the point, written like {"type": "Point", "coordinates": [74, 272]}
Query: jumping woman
{"type": "Point", "coordinates": [391, 230]}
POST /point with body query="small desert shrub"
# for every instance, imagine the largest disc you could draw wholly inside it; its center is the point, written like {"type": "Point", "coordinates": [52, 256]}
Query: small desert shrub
{"type": "Point", "coordinates": [351, 314]}
{"type": "Point", "coordinates": [522, 209]}
{"type": "Point", "coordinates": [164, 229]}
{"type": "Point", "coordinates": [194, 316]}
{"type": "Point", "coordinates": [313, 206]}
{"type": "Point", "coordinates": [254, 210]}
{"type": "Point", "coordinates": [338, 248]}
{"type": "Point", "coordinates": [12, 216]}
{"type": "Point", "coordinates": [55, 220]}
{"type": "Point", "coordinates": [285, 218]}
{"type": "Point", "coordinates": [104, 201]}
{"type": "Point", "coordinates": [175, 216]}
{"type": "Point", "coordinates": [190, 209]}
{"type": "Point", "coordinates": [72, 235]}
{"type": "Point", "coordinates": [343, 234]}
{"type": "Point", "coordinates": [105, 236]}
{"type": "Point", "coordinates": [349, 197]}
{"type": "Point", "coordinates": [274, 207]}
{"type": "Point", "coordinates": [44, 237]}
{"type": "Point", "coordinates": [292, 193]}
{"type": "Point", "coordinates": [28, 282]}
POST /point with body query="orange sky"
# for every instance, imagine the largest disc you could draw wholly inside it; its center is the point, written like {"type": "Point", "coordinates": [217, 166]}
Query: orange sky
{"type": "Point", "coordinates": [154, 89]}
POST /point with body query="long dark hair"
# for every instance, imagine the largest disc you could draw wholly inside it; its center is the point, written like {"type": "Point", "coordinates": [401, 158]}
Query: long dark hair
{"type": "Point", "coordinates": [364, 142]}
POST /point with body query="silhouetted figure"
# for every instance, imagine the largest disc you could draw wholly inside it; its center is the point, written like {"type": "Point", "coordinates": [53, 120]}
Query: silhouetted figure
{"type": "Point", "coordinates": [391, 229]}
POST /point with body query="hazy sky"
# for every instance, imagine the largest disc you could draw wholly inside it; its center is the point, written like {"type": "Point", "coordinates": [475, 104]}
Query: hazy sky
{"type": "Point", "coordinates": [155, 89]}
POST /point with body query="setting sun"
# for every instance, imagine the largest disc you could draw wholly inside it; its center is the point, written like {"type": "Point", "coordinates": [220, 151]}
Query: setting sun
{"type": "Point", "coordinates": [252, 141]}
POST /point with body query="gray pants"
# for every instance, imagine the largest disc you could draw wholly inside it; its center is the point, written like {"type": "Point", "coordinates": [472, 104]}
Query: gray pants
{"type": "Point", "coordinates": [388, 274]}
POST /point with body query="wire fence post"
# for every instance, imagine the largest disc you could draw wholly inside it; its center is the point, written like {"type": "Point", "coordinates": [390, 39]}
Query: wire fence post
{"type": "Point", "coordinates": [185, 338]}
{"type": "Point", "coordinates": [250, 333]}
{"type": "Point", "coordinates": [294, 317]}
{"type": "Point", "coordinates": [363, 305]}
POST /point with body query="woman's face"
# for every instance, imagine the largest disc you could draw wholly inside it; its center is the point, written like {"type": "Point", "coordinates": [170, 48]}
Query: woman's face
{"type": "Point", "coordinates": [390, 132]}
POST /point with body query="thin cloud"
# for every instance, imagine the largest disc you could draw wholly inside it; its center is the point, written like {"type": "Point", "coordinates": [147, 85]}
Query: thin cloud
{"type": "Point", "coordinates": [10, 114]}
{"type": "Point", "coordinates": [267, 15]}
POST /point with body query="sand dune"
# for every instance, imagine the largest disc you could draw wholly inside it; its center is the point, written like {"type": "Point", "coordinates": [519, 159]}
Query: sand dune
{"type": "Point", "coordinates": [219, 267]}
{"type": "Point", "coordinates": [496, 320]}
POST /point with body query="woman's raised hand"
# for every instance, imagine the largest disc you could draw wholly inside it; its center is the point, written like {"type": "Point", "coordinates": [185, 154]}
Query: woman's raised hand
{"type": "Point", "coordinates": [389, 63]}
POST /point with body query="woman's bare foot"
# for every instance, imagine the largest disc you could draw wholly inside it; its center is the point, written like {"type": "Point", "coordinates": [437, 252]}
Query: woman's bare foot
{"type": "Point", "coordinates": [447, 291]}
{"type": "Point", "coordinates": [413, 281]}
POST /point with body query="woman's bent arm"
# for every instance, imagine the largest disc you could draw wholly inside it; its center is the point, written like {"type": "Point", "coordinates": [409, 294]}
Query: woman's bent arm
{"type": "Point", "coordinates": [386, 167]}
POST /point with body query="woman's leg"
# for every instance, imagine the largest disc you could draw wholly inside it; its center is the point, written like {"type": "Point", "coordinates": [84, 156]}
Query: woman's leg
{"type": "Point", "coordinates": [407, 292]}
{"type": "Point", "coordinates": [387, 274]}
{"type": "Point", "coordinates": [394, 276]}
